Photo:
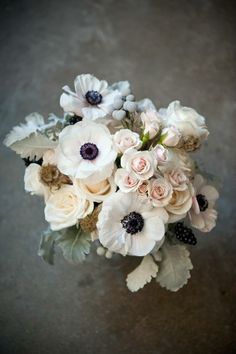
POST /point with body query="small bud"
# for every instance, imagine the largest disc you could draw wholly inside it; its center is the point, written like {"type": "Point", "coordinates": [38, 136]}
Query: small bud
{"type": "Point", "coordinates": [170, 136]}
{"type": "Point", "coordinates": [130, 98]}
{"type": "Point", "coordinates": [119, 114]}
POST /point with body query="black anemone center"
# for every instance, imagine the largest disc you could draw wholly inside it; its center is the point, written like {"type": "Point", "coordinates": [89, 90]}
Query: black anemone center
{"type": "Point", "coordinates": [133, 223]}
{"type": "Point", "coordinates": [89, 151]}
{"type": "Point", "coordinates": [202, 202]}
{"type": "Point", "coordinates": [93, 97]}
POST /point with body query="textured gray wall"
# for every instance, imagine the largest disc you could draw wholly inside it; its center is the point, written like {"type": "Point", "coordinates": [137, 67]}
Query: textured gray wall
{"type": "Point", "coordinates": [168, 50]}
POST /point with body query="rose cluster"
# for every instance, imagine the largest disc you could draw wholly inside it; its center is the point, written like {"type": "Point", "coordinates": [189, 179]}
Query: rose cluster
{"type": "Point", "coordinates": [118, 173]}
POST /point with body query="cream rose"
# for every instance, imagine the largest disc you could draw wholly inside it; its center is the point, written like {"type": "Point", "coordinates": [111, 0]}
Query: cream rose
{"type": "Point", "coordinates": [64, 207]}
{"type": "Point", "coordinates": [125, 139]}
{"type": "Point", "coordinates": [96, 192]}
{"type": "Point", "coordinates": [141, 163]}
{"type": "Point", "coordinates": [152, 123]}
{"type": "Point", "coordinates": [126, 181]}
{"type": "Point", "coordinates": [160, 191]}
{"type": "Point", "coordinates": [180, 204]}
{"type": "Point", "coordinates": [186, 119]}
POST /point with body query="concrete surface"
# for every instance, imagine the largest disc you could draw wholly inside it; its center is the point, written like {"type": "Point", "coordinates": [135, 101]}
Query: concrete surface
{"type": "Point", "coordinates": [168, 50]}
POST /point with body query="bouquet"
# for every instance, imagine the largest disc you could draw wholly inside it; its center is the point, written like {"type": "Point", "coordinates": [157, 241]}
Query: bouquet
{"type": "Point", "coordinates": [117, 173]}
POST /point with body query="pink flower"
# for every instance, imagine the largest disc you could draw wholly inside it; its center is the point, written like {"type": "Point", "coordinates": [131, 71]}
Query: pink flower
{"type": "Point", "coordinates": [202, 214]}
{"type": "Point", "coordinates": [160, 191]}
{"type": "Point", "coordinates": [178, 179]}
{"type": "Point", "coordinates": [126, 181]}
{"type": "Point", "coordinates": [125, 139]}
{"type": "Point", "coordinates": [141, 163]}
{"type": "Point", "coordinates": [152, 123]}
{"type": "Point", "coordinates": [171, 136]}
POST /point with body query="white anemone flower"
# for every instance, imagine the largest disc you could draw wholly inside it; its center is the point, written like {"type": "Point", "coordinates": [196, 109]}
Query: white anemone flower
{"type": "Point", "coordinates": [203, 214]}
{"type": "Point", "coordinates": [128, 224]}
{"type": "Point", "coordinates": [92, 98]}
{"type": "Point", "coordinates": [85, 151]}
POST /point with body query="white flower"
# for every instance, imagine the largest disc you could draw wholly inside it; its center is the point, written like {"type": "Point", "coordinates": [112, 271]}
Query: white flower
{"type": "Point", "coordinates": [160, 191]}
{"type": "Point", "coordinates": [160, 154]}
{"type": "Point", "coordinates": [32, 180]}
{"type": "Point", "coordinates": [180, 203]}
{"type": "Point", "coordinates": [171, 136]}
{"type": "Point", "coordinates": [186, 119]}
{"type": "Point", "coordinates": [152, 123]}
{"type": "Point", "coordinates": [126, 181]}
{"type": "Point", "coordinates": [141, 163]}
{"type": "Point", "coordinates": [92, 98]}
{"type": "Point", "coordinates": [85, 151]}
{"type": "Point", "coordinates": [125, 139]}
{"type": "Point", "coordinates": [202, 214]}
{"type": "Point", "coordinates": [178, 179]}
{"type": "Point", "coordinates": [128, 224]}
{"type": "Point", "coordinates": [64, 207]}
{"type": "Point", "coordinates": [96, 192]}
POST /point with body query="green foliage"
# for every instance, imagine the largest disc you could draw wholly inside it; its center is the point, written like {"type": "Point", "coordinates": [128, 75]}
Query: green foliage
{"type": "Point", "coordinates": [74, 243]}
{"type": "Point", "coordinates": [47, 245]}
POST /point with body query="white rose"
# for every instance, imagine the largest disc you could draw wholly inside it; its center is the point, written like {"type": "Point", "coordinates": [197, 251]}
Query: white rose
{"type": "Point", "coordinates": [178, 179]}
{"type": "Point", "coordinates": [141, 163]}
{"type": "Point", "coordinates": [180, 204]}
{"type": "Point", "coordinates": [96, 192]}
{"type": "Point", "coordinates": [187, 120]}
{"type": "Point", "coordinates": [126, 181]}
{"type": "Point", "coordinates": [64, 207]}
{"type": "Point", "coordinates": [125, 139]}
{"type": "Point", "coordinates": [152, 123]}
{"type": "Point", "coordinates": [160, 191]}
{"type": "Point", "coordinates": [32, 180]}
{"type": "Point", "coordinates": [171, 136]}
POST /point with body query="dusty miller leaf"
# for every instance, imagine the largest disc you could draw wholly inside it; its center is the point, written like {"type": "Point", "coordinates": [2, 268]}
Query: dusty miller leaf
{"type": "Point", "coordinates": [75, 245]}
{"type": "Point", "coordinates": [47, 244]}
{"type": "Point", "coordinates": [34, 122]}
{"type": "Point", "coordinates": [33, 146]}
{"type": "Point", "coordinates": [142, 275]}
{"type": "Point", "coordinates": [175, 266]}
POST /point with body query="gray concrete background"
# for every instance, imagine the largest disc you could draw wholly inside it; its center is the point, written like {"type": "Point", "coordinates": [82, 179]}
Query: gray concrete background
{"type": "Point", "coordinates": [168, 50]}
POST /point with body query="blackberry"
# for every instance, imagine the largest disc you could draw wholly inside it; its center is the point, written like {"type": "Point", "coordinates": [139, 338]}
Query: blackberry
{"type": "Point", "coordinates": [185, 234]}
{"type": "Point", "coordinates": [27, 161]}
{"type": "Point", "coordinates": [75, 119]}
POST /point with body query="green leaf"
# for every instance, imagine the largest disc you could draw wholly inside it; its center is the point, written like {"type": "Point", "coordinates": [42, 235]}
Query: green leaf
{"type": "Point", "coordinates": [174, 269]}
{"type": "Point", "coordinates": [47, 244]}
{"type": "Point", "coordinates": [75, 244]}
{"type": "Point", "coordinates": [34, 146]}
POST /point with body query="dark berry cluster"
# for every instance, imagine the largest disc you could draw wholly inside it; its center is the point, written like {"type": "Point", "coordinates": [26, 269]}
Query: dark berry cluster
{"type": "Point", "coordinates": [75, 119]}
{"type": "Point", "coordinates": [185, 234]}
{"type": "Point", "coordinates": [28, 161]}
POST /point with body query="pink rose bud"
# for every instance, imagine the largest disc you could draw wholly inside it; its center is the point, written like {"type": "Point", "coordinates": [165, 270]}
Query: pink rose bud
{"type": "Point", "coordinates": [171, 136]}
{"type": "Point", "coordinates": [152, 123]}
